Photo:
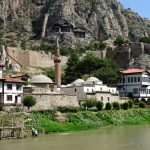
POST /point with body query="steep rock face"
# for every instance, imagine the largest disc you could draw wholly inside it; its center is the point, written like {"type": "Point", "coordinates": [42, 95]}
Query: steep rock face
{"type": "Point", "coordinates": [75, 22]}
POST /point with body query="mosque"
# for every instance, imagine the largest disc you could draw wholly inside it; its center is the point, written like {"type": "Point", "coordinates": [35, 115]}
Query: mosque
{"type": "Point", "coordinates": [51, 94]}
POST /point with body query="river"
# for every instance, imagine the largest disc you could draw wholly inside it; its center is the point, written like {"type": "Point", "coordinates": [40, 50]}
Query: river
{"type": "Point", "coordinates": [106, 138]}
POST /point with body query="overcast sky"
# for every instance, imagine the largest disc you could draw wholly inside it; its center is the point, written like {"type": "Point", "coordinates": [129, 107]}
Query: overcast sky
{"type": "Point", "coordinates": [142, 7]}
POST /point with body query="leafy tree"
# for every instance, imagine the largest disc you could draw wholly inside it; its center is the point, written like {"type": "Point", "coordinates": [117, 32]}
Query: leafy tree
{"type": "Point", "coordinates": [99, 105]}
{"type": "Point", "coordinates": [108, 106]}
{"type": "Point", "coordinates": [29, 101]}
{"type": "Point", "coordinates": [71, 71]}
{"type": "Point", "coordinates": [120, 40]}
{"type": "Point", "coordinates": [144, 39]}
{"type": "Point", "coordinates": [89, 103]}
{"type": "Point", "coordinates": [142, 104]}
{"type": "Point", "coordinates": [130, 103]}
{"type": "Point", "coordinates": [116, 105]}
{"type": "Point", "coordinates": [23, 44]}
{"type": "Point", "coordinates": [125, 105]}
{"type": "Point", "coordinates": [89, 64]}
{"type": "Point", "coordinates": [51, 74]}
{"type": "Point", "coordinates": [97, 45]}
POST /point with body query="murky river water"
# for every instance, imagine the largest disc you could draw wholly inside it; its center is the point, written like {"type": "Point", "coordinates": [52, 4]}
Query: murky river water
{"type": "Point", "coordinates": [107, 138]}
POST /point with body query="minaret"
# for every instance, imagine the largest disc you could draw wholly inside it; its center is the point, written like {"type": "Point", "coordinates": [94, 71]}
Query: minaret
{"type": "Point", "coordinates": [57, 62]}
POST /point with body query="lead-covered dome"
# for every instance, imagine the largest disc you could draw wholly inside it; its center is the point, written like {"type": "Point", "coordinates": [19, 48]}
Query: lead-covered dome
{"type": "Point", "coordinates": [41, 79]}
{"type": "Point", "coordinates": [93, 80]}
{"type": "Point", "coordinates": [78, 82]}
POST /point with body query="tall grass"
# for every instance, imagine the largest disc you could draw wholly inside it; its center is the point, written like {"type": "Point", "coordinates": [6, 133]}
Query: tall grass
{"type": "Point", "coordinates": [89, 120]}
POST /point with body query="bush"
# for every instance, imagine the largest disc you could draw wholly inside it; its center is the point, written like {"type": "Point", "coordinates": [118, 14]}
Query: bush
{"type": "Point", "coordinates": [108, 106]}
{"type": "Point", "coordinates": [142, 104]}
{"type": "Point", "coordinates": [125, 105]}
{"type": "Point", "coordinates": [130, 102]}
{"type": "Point", "coordinates": [29, 101]}
{"type": "Point", "coordinates": [89, 103]}
{"type": "Point", "coordinates": [120, 40]}
{"type": "Point", "coordinates": [144, 39]}
{"type": "Point", "coordinates": [99, 105]}
{"type": "Point", "coordinates": [116, 105]}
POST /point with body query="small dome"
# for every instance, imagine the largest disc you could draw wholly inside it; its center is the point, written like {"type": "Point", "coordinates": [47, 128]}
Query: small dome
{"type": "Point", "coordinates": [78, 82]}
{"type": "Point", "coordinates": [63, 86]}
{"type": "Point", "coordinates": [68, 85]}
{"type": "Point", "coordinates": [41, 79]}
{"type": "Point", "coordinates": [92, 79]}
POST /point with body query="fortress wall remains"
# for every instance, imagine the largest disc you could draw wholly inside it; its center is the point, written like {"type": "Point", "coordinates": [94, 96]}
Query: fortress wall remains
{"type": "Point", "coordinates": [137, 49]}
{"type": "Point", "coordinates": [33, 58]}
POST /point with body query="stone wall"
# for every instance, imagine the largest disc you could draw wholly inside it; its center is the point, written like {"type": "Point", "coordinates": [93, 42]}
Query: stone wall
{"type": "Point", "coordinates": [33, 58]}
{"type": "Point", "coordinates": [125, 53]}
{"type": "Point", "coordinates": [50, 101]}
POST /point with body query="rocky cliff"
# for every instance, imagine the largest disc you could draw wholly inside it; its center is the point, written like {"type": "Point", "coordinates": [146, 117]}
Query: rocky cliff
{"type": "Point", "coordinates": [75, 22]}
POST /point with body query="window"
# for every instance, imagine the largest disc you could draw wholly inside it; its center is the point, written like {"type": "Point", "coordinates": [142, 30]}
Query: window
{"type": "Point", "coordinates": [18, 87]}
{"type": "Point", "coordinates": [135, 91]}
{"type": "Point", "coordinates": [135, 79]}
{"type": "Point", "coordinates": [101, 98]}
{"type": "Point", "coordinates": [131, 79]}
{"type": "Point", "coordinates": [9, 86]}
{"type": "Point", "coordinates": [100, 89]}
{"type": "Point", "coordinates": [9, 97]}
{"type": "Point", "coordinates": [139, 80]}
{"type": "Point", "coordinates": [108, 98]}
{"type": "Point", "coordinates": [75, 90]}
{"type": "Point", "coordinates": [128, 79]}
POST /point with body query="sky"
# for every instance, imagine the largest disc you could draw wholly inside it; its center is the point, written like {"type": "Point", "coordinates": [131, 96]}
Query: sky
{"type": "Point", "coordinates": [142, 7]}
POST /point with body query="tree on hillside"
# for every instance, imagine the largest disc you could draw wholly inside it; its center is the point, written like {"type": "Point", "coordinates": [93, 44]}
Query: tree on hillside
{"type": "Point", "coordinates": [144, 39]}
{"type": "Point", "coordinates": [29, 101]}
{"type": "Point", "coordinates": [120, 40]}
{"type": "Point", "coordinates": [89, 64]}
{"type": "Point", "coordinates": [71, 71]}
{"type": "Point", "coordinates": [51, 74]}
{"type": "Point", "coordinates": [107, 72]}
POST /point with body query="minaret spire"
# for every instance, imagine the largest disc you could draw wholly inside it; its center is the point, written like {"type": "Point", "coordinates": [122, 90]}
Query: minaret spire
{"type": "Point", "coordinates": [57, 62]}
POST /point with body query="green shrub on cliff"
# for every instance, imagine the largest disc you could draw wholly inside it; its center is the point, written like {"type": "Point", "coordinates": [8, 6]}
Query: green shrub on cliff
{"type": "Point", "coordinates": [144, 39]}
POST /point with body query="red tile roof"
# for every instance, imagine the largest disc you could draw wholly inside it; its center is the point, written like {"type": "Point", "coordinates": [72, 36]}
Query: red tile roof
{"type": "Point", "coordinates": [12, 79]}
{"type": "Point", "coordinates": [130, 71]}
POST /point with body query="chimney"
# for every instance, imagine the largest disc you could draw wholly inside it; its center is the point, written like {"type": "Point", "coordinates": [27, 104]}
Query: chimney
{"type": "Point", "coordinates": [57, 62]}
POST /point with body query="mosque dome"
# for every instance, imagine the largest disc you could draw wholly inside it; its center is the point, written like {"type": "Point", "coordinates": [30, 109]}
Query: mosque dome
{"type": "Point", "coordinates": [78, 82]}
{"type": "Point", "coordinates": [93, 80]}
{"type": "Point", "coordinates": [41, 79]}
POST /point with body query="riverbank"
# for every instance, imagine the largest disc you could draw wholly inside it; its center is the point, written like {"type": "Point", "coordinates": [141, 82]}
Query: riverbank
{"type": "Point", "coordinates": [46, 122]}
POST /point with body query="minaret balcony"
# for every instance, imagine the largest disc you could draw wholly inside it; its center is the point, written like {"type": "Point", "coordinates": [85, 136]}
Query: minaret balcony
{"type": "Point", "coordinates": [57, 60]}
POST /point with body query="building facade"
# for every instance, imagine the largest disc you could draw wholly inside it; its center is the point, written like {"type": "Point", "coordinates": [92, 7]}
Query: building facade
{"type": "Point", "coordinates": [11, 89]}
{"type": "Point", "coordinates": [135, 82]}
{"type": "Point", "coordinates": [91, 88]}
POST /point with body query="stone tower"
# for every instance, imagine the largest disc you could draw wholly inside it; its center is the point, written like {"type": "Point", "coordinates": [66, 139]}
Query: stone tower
{"type": "Point", "coordinates": [57, 62]}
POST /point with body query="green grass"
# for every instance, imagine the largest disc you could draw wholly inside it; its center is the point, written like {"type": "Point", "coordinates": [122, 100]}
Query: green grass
{"type": "Point", "coordinates": [90, 120]}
